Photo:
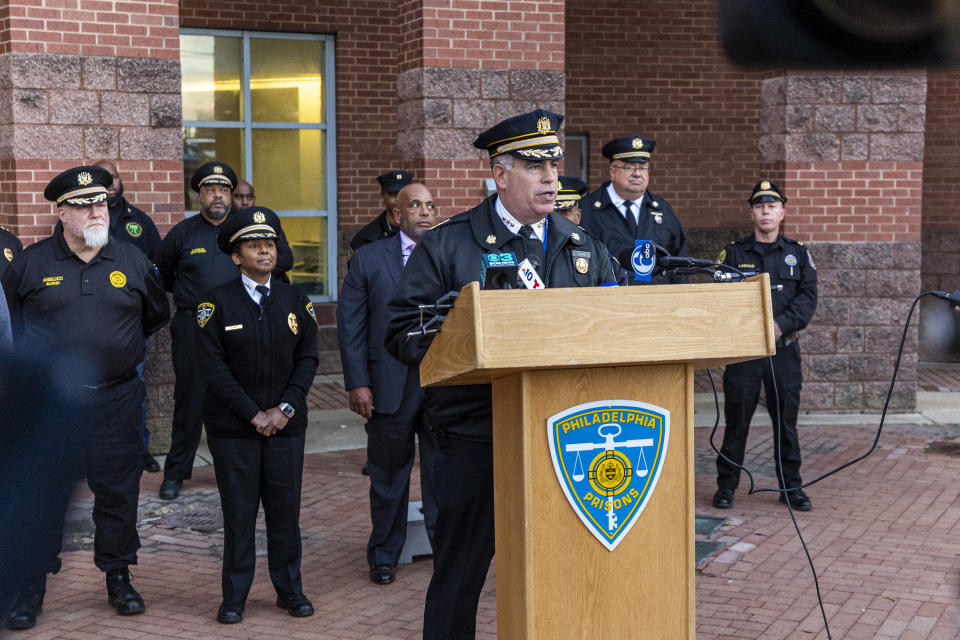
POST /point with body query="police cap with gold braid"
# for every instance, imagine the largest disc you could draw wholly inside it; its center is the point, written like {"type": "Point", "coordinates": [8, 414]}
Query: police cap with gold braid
{"type": "Point", "coordinates": [213, 173]}
{"type": "Point", "coordinates": [394, 181]}
{"type": "Point", "coordinates": [629, 149]}
{"type": "Point", "coordinates": [79, 186]}
{"type": "Point", "coordinates": [531, 136]}
{"type": "Point", "coordinates": [766, 191]}
{"type": "Point", "coordinates": [569, 192]}
{"type": "Point", "coordinates": [252, 223]}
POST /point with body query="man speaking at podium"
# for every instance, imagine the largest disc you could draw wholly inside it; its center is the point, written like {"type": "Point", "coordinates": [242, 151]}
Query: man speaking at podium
{"type": "Point", "coordinates": [525, 155]}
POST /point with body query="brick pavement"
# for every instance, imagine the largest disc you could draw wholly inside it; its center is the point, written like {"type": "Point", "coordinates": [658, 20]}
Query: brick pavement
{"type": "Point", "coordinates": [884, 535]}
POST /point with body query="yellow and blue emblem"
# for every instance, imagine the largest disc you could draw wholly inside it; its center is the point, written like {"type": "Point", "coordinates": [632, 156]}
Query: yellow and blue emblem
{"type": "Point", "coordinates": [608, 456]}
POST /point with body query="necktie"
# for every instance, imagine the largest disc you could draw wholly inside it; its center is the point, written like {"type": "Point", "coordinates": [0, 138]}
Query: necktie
{"type": "Point", "coordinates": [631, 218]}
{"type": "Point", "coordinates": [264, 291]}
{"type": "Point", "coordinates": [533, 246]}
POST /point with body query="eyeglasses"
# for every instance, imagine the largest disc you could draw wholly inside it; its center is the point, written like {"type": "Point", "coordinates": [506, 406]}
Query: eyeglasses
{"type": "Point", "coordinates": [416, 204]}
{"type": "Point", "coordinates": [633, 167]}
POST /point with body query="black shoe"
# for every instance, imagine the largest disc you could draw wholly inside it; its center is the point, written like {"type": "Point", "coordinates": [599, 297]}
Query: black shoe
{"type": "Point", "coordinates": [28, 606]}
{"type": "Point", "coordinates": [366, 469]}
{"type": "Point", "coordinates": [230, 613]}
{"type": "Point", "coordinates": [170, 489]}
{"type": "Point", "coordinates": [798, 500]}
{"type": "Point", "coordinates": [297, 606]}
{"type": "Point", "coordinates": [150, 463]}
{"type": "Point", "coordinates": [382, 574]}
{"type": "Point", "coordinates": [723, 498]}
{"type": "Point", "coordinates": [121, 595]}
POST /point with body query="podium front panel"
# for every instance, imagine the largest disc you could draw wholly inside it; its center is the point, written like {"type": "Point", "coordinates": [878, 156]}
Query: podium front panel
{"type": "Point", "coordinates": [554, 578]}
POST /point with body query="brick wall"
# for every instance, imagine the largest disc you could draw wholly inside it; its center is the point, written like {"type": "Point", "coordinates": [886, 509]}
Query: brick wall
{"type": "Point", "coordinates": [940, 328]}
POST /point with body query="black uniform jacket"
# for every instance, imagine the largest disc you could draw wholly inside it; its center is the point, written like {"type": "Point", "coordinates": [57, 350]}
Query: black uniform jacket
{"type": "Point", "coordinates": [99, 311]}
{"type": "Point", "coordinates": [10, 246]}
{"type": "Point", "coordinates": [191, 262]}
{"type": "Point", "coordinates": [377, 229]}
{"type": "Point", "coordinates": [789, 264]}
{"type": "Point", "coordinates": [129, 224]}
{"type": "Point", "coordinates": [448, 257]}
{"type": "Point", "coordinates": [657, 223]}
{"type": "Point", "coordinates": [253, 361]}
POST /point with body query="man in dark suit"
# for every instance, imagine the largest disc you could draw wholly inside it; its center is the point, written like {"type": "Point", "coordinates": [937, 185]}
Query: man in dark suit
{"type": "Point", "coordinates": [382, 389]}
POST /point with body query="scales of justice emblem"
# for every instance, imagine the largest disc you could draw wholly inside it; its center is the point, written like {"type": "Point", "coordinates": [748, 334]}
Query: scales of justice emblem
{"type": "Point", "coordinates": [608, 456]}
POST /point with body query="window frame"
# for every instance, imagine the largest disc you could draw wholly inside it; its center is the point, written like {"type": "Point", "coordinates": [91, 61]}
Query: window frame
{"type": "Point", "coordinates": [248, 125]}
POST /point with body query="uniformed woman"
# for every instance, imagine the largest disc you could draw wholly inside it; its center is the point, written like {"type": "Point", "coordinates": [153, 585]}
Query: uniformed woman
{"type": "Point", "coordinates": [259, 356]}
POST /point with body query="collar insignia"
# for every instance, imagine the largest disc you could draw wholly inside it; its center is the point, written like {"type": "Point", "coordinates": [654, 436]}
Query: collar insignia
{"type": "Point", "coordinates": [575, 236]}
{"type": "Point", "coordinates": [596, 204]}
{"type": "Point", "coordinates": [491, 239]}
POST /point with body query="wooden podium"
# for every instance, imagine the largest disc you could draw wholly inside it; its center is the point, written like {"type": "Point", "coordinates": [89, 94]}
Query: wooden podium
{"type": "Point", "coordinates": [549, 350]}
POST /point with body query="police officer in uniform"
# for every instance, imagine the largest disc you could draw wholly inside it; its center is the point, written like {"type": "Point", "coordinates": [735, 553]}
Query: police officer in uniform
{"type": "Point", "coordinates": [10, 245]}
{"type": "Point", "coordinates": [258, 344]}
{"type": "Point", "coordinates": [190, 263]}
{"type": "Point", "coordinates": [80, 293]}
{"type": "Point", "coordinates": [789, 264]}
{"type": "Point", "coordinates": [524, 154]}
{"type": "Point", "coordinates": [623, 210]}
{"type": "Point", "coordinates": [569, 192]}
{"type": "Point", "coordinates": [382, 227]}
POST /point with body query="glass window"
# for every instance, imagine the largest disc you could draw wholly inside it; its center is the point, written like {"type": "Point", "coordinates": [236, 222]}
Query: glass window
{"type": "Point", "coordinates": [263, 103]}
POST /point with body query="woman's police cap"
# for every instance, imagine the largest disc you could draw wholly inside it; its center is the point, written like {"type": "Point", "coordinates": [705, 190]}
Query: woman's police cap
{"type": "Point", "coordinates": [629, 149]}
{"type": "Point", "coordinates": [79, 186]}
{"type": "Point", "coordinates": [569, 192]}
{"type": "Point", "coordinates": [213, 173]}
{"type": "Point", "coordinates": [531, 136]}
{"type": "Point", "coordinates": [252, 223]}
{"type": "Point", "coordinates": [766, 191]}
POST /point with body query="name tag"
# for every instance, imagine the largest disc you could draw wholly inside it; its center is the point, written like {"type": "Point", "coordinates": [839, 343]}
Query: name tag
{"type": "Point", "coordinates": [233, 327]}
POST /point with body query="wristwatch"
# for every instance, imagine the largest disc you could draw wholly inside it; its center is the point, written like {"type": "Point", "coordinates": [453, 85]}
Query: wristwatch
{"type": "Point", "coordinates": [287, 409]}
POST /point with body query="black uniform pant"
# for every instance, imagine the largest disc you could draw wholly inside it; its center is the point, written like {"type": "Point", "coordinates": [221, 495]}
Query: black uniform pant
{"type": "Point", "coordinates": [741, 391]}
{"type": "Point", "coordinates": [250, 471]}
{"type": "Point", "coordinates": [463, 542]}
{"type": "Point", "coordinates": [390, 456]}
{"type": "Point", "coordinates": [188, 392]}
{"type": "Point", "coordinates": [113, 463]}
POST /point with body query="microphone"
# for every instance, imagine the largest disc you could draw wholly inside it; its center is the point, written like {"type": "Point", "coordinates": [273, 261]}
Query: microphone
{"type": "Point", "coordinates": [498, 271]}
{"type": "Point", "coordinates": [671, 262]}
{"type": "Point", "coordinates": [949, 297]}
{"type": "Point", "coordinates": [730, 276]}
{"type": "Point", "coordinates": [529, 276]}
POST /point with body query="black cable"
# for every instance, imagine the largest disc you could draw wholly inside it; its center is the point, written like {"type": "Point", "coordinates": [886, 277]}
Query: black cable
{"type": "Point", "coordinates": [778, 455]}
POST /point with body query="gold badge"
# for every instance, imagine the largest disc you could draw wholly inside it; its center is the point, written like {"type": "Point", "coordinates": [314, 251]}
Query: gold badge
{"type": "Point", "coordinates": [313, 314]}
{"type": "Point", "coordinates": [399, 176]}
{"type": "Point", "coordinates": [292, 322]}
{"type": "Point", "coordinates": [134, 229]}
{"type": "Point", "coordinates": [658, 218]}
{"type": "Point", "coordinates": [575, 236]}
{"type": "Point", "coordinates": [582, 265]}
{"type": "Point", "coordinates": [8, 254]}
{"type": "Point", "coordinates": [722, 256]}
{"type": "Point", "coordinates": [117, 279]}
{"type": "Point", "coordinates": [217, 168]}
{"type": "Point", "coordinates": [543, 126]}
{"type": "Point", "coordinates": [258, 217]}
{"type": "Point", "coordinates": [84, 178]}
{"type": "Point", "coordinates": [204, 313]}
{"type": "Point", "coordinates": [765, 184]}
{"type": "Point", "coordinates": [637, 143]}
{"type": "Point", "coordinates": [491, 239]}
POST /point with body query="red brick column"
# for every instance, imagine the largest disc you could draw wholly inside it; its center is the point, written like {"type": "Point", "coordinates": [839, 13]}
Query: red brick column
{"type": "Point", "coordinates": [848, 150]}
{"type": "Point", "coordinates": [454, 83]}
{"type": "Point", "coordinates": [82, 80]}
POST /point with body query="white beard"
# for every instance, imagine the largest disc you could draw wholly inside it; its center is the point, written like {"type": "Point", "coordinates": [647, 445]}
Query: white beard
{"type": "Point", "coordinates": [96, 236]}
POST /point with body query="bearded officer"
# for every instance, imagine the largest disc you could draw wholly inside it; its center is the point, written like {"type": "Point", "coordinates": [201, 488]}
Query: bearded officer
{"type": "Point", "coordinates": [623, 210]}
{"type": "Point", "coordinates": [524, 156]}
{"type": "Point", "coordinates": [789, 264]}
{"type": "Point", "coordinates": [80, 293]}
{"type": "Point", "coordinates": [190, 263]}
{"type": "Point", "coordinates": [258, 347]}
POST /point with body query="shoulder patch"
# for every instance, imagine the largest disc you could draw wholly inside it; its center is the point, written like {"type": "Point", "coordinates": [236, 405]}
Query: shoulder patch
{"type": "Point", "coordinates": [313, 314]}
{"type": "Point", "coordinates": [722, 256]}
{"type": "Point", "coordinates": [204, 313]}
{"type": "Point", "coordinates": [810, 260]}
